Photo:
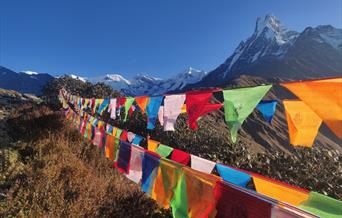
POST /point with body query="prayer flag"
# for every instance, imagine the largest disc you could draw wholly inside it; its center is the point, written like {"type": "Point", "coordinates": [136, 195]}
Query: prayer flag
{"type": "Point", "coordinates": [172, 108]}
{"type": "Point", "coordinates": [164, 150]}
{"type": "Point", "coordinates": [135, 170]}
{"type": "Point", "coordinates": [142, 102]}
{"type": "Point", "coordinates": [200, 193]}
{"type": "Point", "coordinates": [202, 164]}
{"type": "Point", "coordinates": [103, 103]}
{"type": "Point", "coordinates": [161, 115]}
{"type": "Point", "coordinates": [267, 108]}
{"type": "Point", "coordinates": [152, 145]}
{"type": "Point", "coordinates": [179, 202]}
{"type": "Point", "coordinates": [180, 156]}
{"type": "Point", "coordinates": [150, 164]}
{"type": "Point", "coordinates": [137, 139]}
{"type": "Point", "coordinates": [123, 136]}
{"type": "Point", "coordinates": [130, 136]}
{"type": "Point", "coordinates": [232, 202]}
{"type": "Point", "coordinates": [279, 191]}
{"type": "Point", "coordinates": [128, 103]}
{"type": "Point", "coordinates": [112, 108]}
{"type": "Point", "coordinates": [233, 176]}
{"type": "Point", "coordinates": [110, 147]}
{"type": "Point", "coordinates": [239, 104]}
{"type": "Point", "coordinates": [152, 111]}
{"type": "Point", "coordinates": [124, 157]}
{"type": "Point", "coordinates": [303, 123]}
{"type": "Point", "coordinates": [322, 205]}
{"type": "Point", "coordinates": [118, 133]}
{"type": "Point", "coordinates": [324, 97]}
{"type": "Point", "coordinates": [197, 105]}
{"type": "Point", "coordinates": [166, 181]}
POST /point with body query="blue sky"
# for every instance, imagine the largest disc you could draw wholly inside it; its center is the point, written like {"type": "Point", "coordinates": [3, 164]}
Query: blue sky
{"type": "Point", "coordinates": [155, 37]}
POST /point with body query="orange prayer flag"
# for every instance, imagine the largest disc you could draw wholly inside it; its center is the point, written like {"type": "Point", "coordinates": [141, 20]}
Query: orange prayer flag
{"type": "Point", "coordinates": [142, 102]}
{"type": "Point", "coordinates": [110, 147]}
{"type": "Point", "coordinates": [324, 97]}
{"type": "Point", "coordinates": [166, 181]}
{"type": "Point", "coordinates": [200, 192]}
{"type": "Point", "coordinates": [280, 191]}
{"type": "Point", "coordinates": [152, 145]}
{"type": "Point", "coordinates": [303, 123]}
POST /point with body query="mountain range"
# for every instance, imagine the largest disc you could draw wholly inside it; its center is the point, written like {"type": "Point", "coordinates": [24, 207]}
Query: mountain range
{"type": "Point", "coordinates": [272, 51]}
{"type": "Point", "coordinates": [24, 82]}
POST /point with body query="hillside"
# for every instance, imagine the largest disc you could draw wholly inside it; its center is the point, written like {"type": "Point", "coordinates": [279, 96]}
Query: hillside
{"type": "Point", "coordinates": [50, 169]}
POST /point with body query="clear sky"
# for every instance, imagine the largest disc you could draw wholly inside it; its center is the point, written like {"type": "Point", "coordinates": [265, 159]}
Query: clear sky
{"type": "Point", "coordinates": [155, 37]}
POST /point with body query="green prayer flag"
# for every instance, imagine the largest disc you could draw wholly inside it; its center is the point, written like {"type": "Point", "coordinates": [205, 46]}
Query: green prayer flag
{"type": "Point", "coordinates": [118, 133]}
{"type": "Point", "coordinates": [240, 103]}
{"type": "Point", "coordinates": [164, 150]}
{"type": "Point", "coordinates": [128, 103]}
{"type": "Point", "coordinates": [179, 202]}
{"type": "Point", "coordinates": [116, 149]}
{"type": "Point", "coordinates": [322, 205]}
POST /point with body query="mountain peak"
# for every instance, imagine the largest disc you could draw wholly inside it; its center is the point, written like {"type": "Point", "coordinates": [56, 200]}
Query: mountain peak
{"type": "Point", "coordinates": [116, 78]}
{"type": "Point", "coordinates": [269, 21]}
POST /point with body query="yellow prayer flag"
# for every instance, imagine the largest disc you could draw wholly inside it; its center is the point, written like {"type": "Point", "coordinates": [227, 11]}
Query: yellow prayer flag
{"type": "Point", "coordinates": [303, 123]}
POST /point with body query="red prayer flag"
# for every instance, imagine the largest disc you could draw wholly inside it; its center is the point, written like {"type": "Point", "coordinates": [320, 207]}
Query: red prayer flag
{"type": "Point", "coordinates": [124, 135]}
{"type": "Point", "coordinates": [180, 156]}
{"type": "Point", "coordinates": [197, 104]}
{"type": "Point", "coordinates": [235, 203]}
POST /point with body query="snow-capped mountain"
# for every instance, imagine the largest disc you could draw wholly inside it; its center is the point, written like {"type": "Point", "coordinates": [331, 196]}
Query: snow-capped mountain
{"type": "Point", "coordinates": [148, 85]}
{"type": "Point", "coordinates": [24, 82]}
{"type": "Point", "coordinates": [116, 81]}
{"type": "Point", "coordinates": [273, 50]}
{"type": "Point", "coordinates": [83, 79]}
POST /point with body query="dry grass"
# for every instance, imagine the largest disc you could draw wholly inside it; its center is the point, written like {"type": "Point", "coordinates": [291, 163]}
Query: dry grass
{"type": "Point", "coordinates": [64, 176]}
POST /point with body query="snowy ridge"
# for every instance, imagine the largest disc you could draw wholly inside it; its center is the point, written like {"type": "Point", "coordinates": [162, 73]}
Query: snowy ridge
{"type": "Point", "coordinates": [270, 38]}
{"type": "Point", "coordinates": [78, 78]}
{"type": "Point", "coordinates": [28, 72]}
{"type": "Point", "coordinates": [148, 85]}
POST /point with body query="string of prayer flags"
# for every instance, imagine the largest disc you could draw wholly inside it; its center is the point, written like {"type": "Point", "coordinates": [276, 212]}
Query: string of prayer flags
{"type": "Point", "coordinates": [267, 108]}
{"type": "Point", "coordinates": [166, 182]}
{"type": "Point", "coordinates": [200, 193]}
{"type": "Point", "coordinates": [324, 97]}
{"type": "Point", "coordinates": [128, 103]}
{"type": "Point", "coordinates": [239, 104]}
{"type": "Point", "coordinates": [152, 145]}
{"type": "Point", "coordinates": [142, 102]}
{"type": "Point", "coordinates": [152, 111]}
{"type": "Point", "coordinates": [197, 105]}
{"type": "Point", "coordinates": [231, 175]}
{"type": "Point", "coordinates": [135, 169]}
{"type": "Point", "coordinates": [172, 108]}
{"type": "Point", "coordinates": [180, 157]}
{"type": "Point", "coordinates": [302, 122]}
{"type": "Point", "coordinates": [150, 165]}
{"type": "Point", "coordinates": [124, 157]}
{"type": "Point", "coordinates": [112, 108]}
{"type": "Point", "coordinates": [232, 202]}
{"type": "Point", "coordinates": [164, 150]}
{"type": "Point", "coordinates": [322, 205]}
{"type": "Point", "coordinates": [201, 164]}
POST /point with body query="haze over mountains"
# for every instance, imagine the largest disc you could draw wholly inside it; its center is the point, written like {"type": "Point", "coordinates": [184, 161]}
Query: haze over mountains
{"type": "Point", "coordinates": [272, 51]}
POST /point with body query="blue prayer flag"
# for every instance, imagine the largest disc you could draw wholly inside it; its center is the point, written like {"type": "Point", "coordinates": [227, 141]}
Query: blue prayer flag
{"type": "Point", "coordinates": [267, 108]}
{"type": "Point", "coordinates": [150, 164]}
{"type": "Point", "coordinates": [152, 110]}
{"type": "Point", "coordinates": [233, 176]}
